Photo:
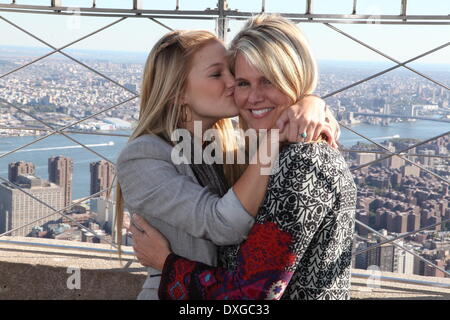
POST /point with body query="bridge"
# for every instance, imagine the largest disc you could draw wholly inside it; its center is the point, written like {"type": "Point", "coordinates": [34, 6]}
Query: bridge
{"type": "Point", "coordinates": [380, 115]}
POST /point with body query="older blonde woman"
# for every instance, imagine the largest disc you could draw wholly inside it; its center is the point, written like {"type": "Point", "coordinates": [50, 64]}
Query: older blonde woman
{"type": "Point", "coordinates": [197, 207]}
{"type": "Point", "coordinates": [300, 245]}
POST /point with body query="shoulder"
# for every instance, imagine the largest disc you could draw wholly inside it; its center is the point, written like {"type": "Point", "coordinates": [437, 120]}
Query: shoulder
{"type": "Point", "coordinates": [145, 146]}
{"type": "Point", "coordinates": [318, 156]}
{"type": "Point", "coordinates": [313, 169]}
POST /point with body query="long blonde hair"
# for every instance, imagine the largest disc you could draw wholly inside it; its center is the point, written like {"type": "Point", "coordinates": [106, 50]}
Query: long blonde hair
{"type": "Point", "coordinates": [161, 112]}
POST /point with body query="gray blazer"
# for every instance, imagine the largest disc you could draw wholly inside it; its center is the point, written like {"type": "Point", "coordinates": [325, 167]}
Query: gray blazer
{"type": "Point", "coordinates": [169, 197]}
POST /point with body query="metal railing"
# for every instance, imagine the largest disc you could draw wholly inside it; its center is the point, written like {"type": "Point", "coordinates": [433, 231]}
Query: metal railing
{"type": "Point", "coordinates": [222, 14]}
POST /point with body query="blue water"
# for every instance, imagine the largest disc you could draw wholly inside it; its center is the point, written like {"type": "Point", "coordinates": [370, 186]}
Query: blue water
{"type": "Point", "coordinates": [420, 130]}
{"type": "Point", "coordinates": [39, 152]}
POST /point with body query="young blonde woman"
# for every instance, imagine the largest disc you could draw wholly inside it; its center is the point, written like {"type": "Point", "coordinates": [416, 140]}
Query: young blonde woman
{"type": "Point", "coordinates": [187, 79]}
{"type": "Point", "coordinates": [300, 245]}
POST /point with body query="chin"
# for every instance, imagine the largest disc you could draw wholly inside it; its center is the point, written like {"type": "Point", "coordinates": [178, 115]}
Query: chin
{"type": "Point", "coordinates": [258, 125]}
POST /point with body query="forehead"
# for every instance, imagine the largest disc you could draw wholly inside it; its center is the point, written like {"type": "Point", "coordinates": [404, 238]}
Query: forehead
{"type": "Point", "coordinates": [244, 69]}
{"type": "Point", "coordinates": [211, 53]}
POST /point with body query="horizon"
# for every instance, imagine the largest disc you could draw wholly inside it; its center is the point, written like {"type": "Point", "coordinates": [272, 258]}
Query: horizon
{"type": "Point", "coordinates": [144, 55]}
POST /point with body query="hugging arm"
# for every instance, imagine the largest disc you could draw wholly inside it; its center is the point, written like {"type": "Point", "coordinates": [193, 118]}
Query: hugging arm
{"type": "Point", "coordinates": [289, 219]}
{"type": "Point", "coordinates": [152, 187]}
{"type": "Point", "coordinates": [311, 116]}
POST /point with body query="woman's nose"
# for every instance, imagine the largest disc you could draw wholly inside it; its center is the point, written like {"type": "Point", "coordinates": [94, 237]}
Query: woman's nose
{"type": "Point", "coordinates": [255, 96]}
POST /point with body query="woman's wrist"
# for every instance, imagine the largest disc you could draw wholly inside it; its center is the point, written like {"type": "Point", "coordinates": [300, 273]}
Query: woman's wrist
{"type": "Point", "coordinates": [161, 261]}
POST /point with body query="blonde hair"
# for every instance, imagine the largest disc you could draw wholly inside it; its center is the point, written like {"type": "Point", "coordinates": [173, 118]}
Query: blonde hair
{"type": "Point", "coordinates": [161, 111]}
{"type": "Point", "coordinates": [279, 50]}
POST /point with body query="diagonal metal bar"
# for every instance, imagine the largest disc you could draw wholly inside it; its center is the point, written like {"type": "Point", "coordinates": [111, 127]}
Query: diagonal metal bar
{"type": "Point", "coordinates": [55, 211]}
{"type": "Point", "coordinates": [61, 48]}
{"type": "Point", "coordinates": [398, 155]}
{"type": "Point", "coordinates": [401, 151]}
{"type": "Point", "coordinates": [94, 133]}
{"type": "Point", "coordinates": [68, 56]}
{"type": "Point", "coordinates": [386, 56]}
{"type": "Point", "coordinates": [400, 237]}
{"type": "Point", "coordinates": [55, 130]}
{"type": "Point", "coordinates": [385, 71]}
{"type": "Point", "coordinates": [382, 152]}
{"type": "Point", "coordinates": [402, 247]}
{"type": "Point", "coordinates": [65, 127]}
{"type": "Point", "coordinates": [161, 24]}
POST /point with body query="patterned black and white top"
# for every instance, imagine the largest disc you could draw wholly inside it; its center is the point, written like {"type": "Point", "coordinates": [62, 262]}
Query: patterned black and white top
{"type": "Point", "coordinates": [300, 246]}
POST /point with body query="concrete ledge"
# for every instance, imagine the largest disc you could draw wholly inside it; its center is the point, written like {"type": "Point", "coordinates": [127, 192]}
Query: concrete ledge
{"type": "Point", "coordinates": [30, 272]}
{"type": "Point", "coordinates": [32, 268]}
{"type": "Point", "coordinates": [394, 286]}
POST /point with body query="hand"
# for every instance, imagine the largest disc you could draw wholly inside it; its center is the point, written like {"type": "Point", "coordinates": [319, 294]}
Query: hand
{"type": "Point", "coordinates": [150, 246]}
{"type": "Point", "coordinates": [307, 116]}
{"type": "Point", "coordinates": [332, 124]}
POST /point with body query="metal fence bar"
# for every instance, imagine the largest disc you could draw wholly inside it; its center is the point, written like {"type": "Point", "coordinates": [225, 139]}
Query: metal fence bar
{"type": "Point", "coordinates": [390, 155]}
{"type": "Point", "coordinates": [161, 24]}
{"type": "Point", "coordinates": [232, 14]}
{"type": "Point", "coordinates": [385, 71]}
{"type": "Point", "coordinates": [402, 151]}
{"type": "Point", "coordinates": [65, 127]}
{"type": "Point", "coordinates": [68, 56]}
{"type": "Point", "coordinates": [398, 155]}
{"type": "Point", "coordinates": [67, 131]}
{"type": "Point", "coordinates": [60, 212]}
{"type": "Point", "coordinates": [55, 130]}
{"type": "Point", "coordinates": [386, 56]}
{"type": "Point", "coordinates": [79, 201]}
{"type": "Point", "coordinates": [61, 48]}
{"type": "Point", "coordinates": [399, 237]}
{"type": "Point", "coordinates": [403, 248]}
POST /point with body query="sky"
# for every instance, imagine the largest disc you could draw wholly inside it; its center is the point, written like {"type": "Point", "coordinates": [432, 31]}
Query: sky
{"type": "Point", "coordinates": [139, 34]}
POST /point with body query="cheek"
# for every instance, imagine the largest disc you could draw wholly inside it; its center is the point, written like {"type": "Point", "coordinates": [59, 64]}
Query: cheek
{"type": "Point", "coordinates": [278, 98]}
{"type": "Point", "coordinates": [240, 98]}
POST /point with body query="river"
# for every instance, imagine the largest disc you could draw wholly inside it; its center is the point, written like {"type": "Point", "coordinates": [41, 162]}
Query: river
{"type": "Point", "coordinates": [110, 146]}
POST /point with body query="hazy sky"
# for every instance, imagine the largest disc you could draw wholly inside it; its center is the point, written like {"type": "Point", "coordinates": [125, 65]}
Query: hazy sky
{"type": "Point", "coordinates": [136, 34]}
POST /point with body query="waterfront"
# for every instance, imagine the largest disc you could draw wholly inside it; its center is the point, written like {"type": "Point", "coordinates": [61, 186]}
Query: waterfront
{"type": "Point", "coordinates": [110, 146]}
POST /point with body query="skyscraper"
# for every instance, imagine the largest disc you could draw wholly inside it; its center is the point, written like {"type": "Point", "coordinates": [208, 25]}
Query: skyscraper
{"type": "Point", "coordinates": [18, 208]}
{"type": "Point", "coordinates": [60, 171]}
{"type": "Point", "coordinates": [102, 174]}
{"type": "Point", "coordinates": [16, 169]}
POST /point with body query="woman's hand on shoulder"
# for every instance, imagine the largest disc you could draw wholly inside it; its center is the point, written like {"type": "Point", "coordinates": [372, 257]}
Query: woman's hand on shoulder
{"type": "Point", "coordinates": [150, 246]}
{"type": "Point", "coordinates": [308, 116]}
